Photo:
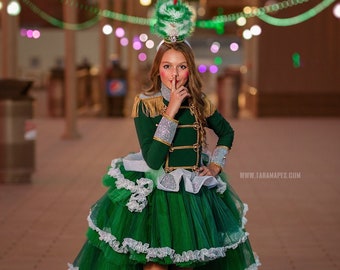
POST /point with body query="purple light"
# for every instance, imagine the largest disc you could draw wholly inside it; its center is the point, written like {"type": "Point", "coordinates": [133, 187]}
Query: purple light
{"type": "Point", "coordinates": [234, 47]}
{"type": "Point", "coordinates": [202, 68]}
{"type": "Point", "coordinates": [149, 44]}
{"type": "Point", "coordinates": [124, 42]}
{"type": "Point", "coordinates": [137, 45]}
{"type": "Point", "coordinates": [215, 47]}
{"type": "Point", "coordinates": [23, 32]}
{"type": "Point", "coordinates": [120, 32]}
{"type": "Point", "coordinates": [29, 33]}
{"type": "Point", "coordinates": [142, 57]}
{"type": "Point", "coordinates": [213, 69]}
{"type": "Point", "coordinates": [36, 34]}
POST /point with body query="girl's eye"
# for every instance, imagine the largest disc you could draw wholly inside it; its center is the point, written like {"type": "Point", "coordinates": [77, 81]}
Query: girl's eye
{"type": "Point", "coordinates": [167, 66]}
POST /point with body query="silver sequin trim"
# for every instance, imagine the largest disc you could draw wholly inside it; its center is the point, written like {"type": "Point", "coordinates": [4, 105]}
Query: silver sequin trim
{"type": "Point", "coordinates": [166, 130]}
{"type": "Point", "coordinates": [165, 92]}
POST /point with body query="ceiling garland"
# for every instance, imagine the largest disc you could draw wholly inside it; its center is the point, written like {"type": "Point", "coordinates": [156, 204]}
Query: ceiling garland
{"type": "Point", "coordinates": [216, 23]}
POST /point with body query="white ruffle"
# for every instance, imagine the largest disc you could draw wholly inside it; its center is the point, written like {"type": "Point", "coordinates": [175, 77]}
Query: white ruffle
{"type": "Point", "coordinates": [71, 267]}
{"type": "Point", "coordinates": [202, 255]}
{"type": "Point", "coordinates": [221, 185]}
{"type": "Point", "coordinates": [254, 266]}
{"type": "Point", "coordinates": [251, 267]}
{"type": "Point", "coordinates": [171, 181]}
{"type": "Point", "coordinates": [139, 190]}
{"type": "Point", "coordinates": [166, 181]}
{"type": "Point", "coordinates": [244, 219]}
{"type": "Point", "coordinates": [135, 162]}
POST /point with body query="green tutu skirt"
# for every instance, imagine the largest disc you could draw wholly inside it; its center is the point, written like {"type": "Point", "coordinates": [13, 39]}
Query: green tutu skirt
{"type": "Point", "coordinates": [135, 222]}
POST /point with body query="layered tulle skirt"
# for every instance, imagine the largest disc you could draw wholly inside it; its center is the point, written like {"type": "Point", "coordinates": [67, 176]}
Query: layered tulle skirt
{"type": "Point", "coordinates": [171, 219]}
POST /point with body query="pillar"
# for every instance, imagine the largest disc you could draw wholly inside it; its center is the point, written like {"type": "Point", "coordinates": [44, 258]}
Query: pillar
{"type": "Point", "coordinates": [70, 76]}
{"type": "Point", "coordinates": [10, 26]}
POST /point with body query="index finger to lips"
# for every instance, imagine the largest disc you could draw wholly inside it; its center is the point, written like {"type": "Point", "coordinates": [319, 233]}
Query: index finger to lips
{"type": "Point", "coordinates": [173, 83]}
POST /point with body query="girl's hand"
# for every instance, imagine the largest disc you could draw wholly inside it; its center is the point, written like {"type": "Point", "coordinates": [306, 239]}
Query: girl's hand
{"type": "Point", "coordinates": [212, 169]}
{"type": "Point", "coordinates": [177, 96]}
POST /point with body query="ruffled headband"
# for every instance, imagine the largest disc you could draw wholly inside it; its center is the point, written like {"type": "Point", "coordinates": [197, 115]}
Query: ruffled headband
{"type": "Point", "coordinates": [174, 20]}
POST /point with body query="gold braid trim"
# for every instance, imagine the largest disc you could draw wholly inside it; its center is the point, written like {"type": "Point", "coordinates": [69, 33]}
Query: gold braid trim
{"type": "Point", "coordinates": [152, 106]}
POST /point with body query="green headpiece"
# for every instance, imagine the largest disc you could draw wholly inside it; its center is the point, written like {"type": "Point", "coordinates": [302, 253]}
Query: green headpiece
{"type": "Point", "coordinates": [173, 20]}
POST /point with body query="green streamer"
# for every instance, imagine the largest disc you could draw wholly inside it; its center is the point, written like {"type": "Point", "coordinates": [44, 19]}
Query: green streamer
{"type": "Point", "coordinates": [58, 23]}
{"type": "Point", "coordinates": [216, 23]}
{"type": "Point", "coordinates": [296, 19]}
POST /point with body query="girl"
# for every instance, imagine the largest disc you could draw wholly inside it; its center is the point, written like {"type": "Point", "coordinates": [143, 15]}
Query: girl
{"type": "Point", "coordinates": [170, 205]}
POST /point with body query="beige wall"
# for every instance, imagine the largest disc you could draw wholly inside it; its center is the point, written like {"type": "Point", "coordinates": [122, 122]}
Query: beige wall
{"type": "Point", "coordinates": [313, 88]}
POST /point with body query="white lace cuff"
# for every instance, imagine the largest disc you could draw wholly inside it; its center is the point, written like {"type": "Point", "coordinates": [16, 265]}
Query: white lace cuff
{"type": "Point", "coordinates": [166, 130]}
{"type": "Point", "coordinates": [219, 156]}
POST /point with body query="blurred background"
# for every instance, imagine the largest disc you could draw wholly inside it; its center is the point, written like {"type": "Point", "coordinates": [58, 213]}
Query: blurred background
{"type": "Point", "coordinates": [69, 72]}
{"type": "Point", "coordinates": [258, 58]}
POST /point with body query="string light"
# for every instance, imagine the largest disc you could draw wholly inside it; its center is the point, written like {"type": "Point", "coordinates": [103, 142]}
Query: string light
{"type": "Point", "coordinates": [215, 47]}
{"type": "Point", "coordinates": [218, 60]}
{"type": "Point", "coordinates": [247, 34]}
{"type": "Point", "coordinates": [137, 44]}
{"type": "Point", "coordinates": [336, 10]}
{"type": "Point", "coordinates": [13, 8]}
{"type": "Point", "coordinates": [296, 59]}
{"type": "Point", "coordinates": [142, 57]}
{"type": "Point", "coordinates": [202, 68]}
{"type": "Point", "coordinates": [255, 30]}
{"type": "Point", "coordinates": [213, 69]}
{"type": "Point", "coordinates": [150, 44]}
{"type": "Point", "coordinates": [145, 2]}
{"type": "Point", "coordinates": [124, 41]}
{"type": "Point", "coordinates": [107, 29]}
{"type": "Point", "coordinates": [241, 21]}
{"type": "Point", "coordinates": [120, 32]}
{"type": "Point", "coordinates": [30, 33]}
{"type": "Point", "coordinates": [216, 23]}
{"type": "Point", "coordinates": [234, 47]}
{"type": "Point", "coordinates": [143, 37]}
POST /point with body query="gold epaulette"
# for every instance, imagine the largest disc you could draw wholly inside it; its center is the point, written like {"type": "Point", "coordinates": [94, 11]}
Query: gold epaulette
{"type": "Point", "coordinates": [209, 107]}
{"type": "Point", "coordinates": [152, 106]}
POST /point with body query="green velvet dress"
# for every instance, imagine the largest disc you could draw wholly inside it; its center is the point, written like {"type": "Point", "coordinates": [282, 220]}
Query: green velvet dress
{"type": "Point", "coordinates": [157, 208]}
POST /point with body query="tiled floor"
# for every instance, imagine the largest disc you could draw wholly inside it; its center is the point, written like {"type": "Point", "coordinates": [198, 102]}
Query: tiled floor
{"type": "Point", "coordinates": [285, 169]}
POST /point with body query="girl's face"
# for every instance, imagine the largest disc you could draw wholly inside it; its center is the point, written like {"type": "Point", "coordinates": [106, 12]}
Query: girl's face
{"type": "Point", "coordinates": [173, 67]}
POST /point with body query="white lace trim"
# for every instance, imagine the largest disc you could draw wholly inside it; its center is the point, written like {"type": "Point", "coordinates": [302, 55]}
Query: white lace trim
{"type": "Point", "coordinates": [254, 266]}
{"type": "Point", "coordinates": [190, 255]}
{"type": "Point", "coordinates": [244, 219]}
{"type": "Point", "coordinates": [221, 185]}
{"type": "Point", "coordinates": [139, 191]}
{"type": "Point", "coordinates": [144, 186]}
{"type": "Point", "coordinates": [71, 267]}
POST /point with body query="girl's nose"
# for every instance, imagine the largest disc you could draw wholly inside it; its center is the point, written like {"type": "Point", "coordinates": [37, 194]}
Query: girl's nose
{"type": "Point", "coordinates": [175, 71]}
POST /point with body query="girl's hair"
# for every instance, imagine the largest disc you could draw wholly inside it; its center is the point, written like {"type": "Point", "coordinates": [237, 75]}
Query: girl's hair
{"type": "Point", "coordinates": [194, 83]}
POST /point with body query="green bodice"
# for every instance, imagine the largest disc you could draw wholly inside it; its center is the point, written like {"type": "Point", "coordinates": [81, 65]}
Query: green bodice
{"type": "Point", "coordinates": [185, 150]}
